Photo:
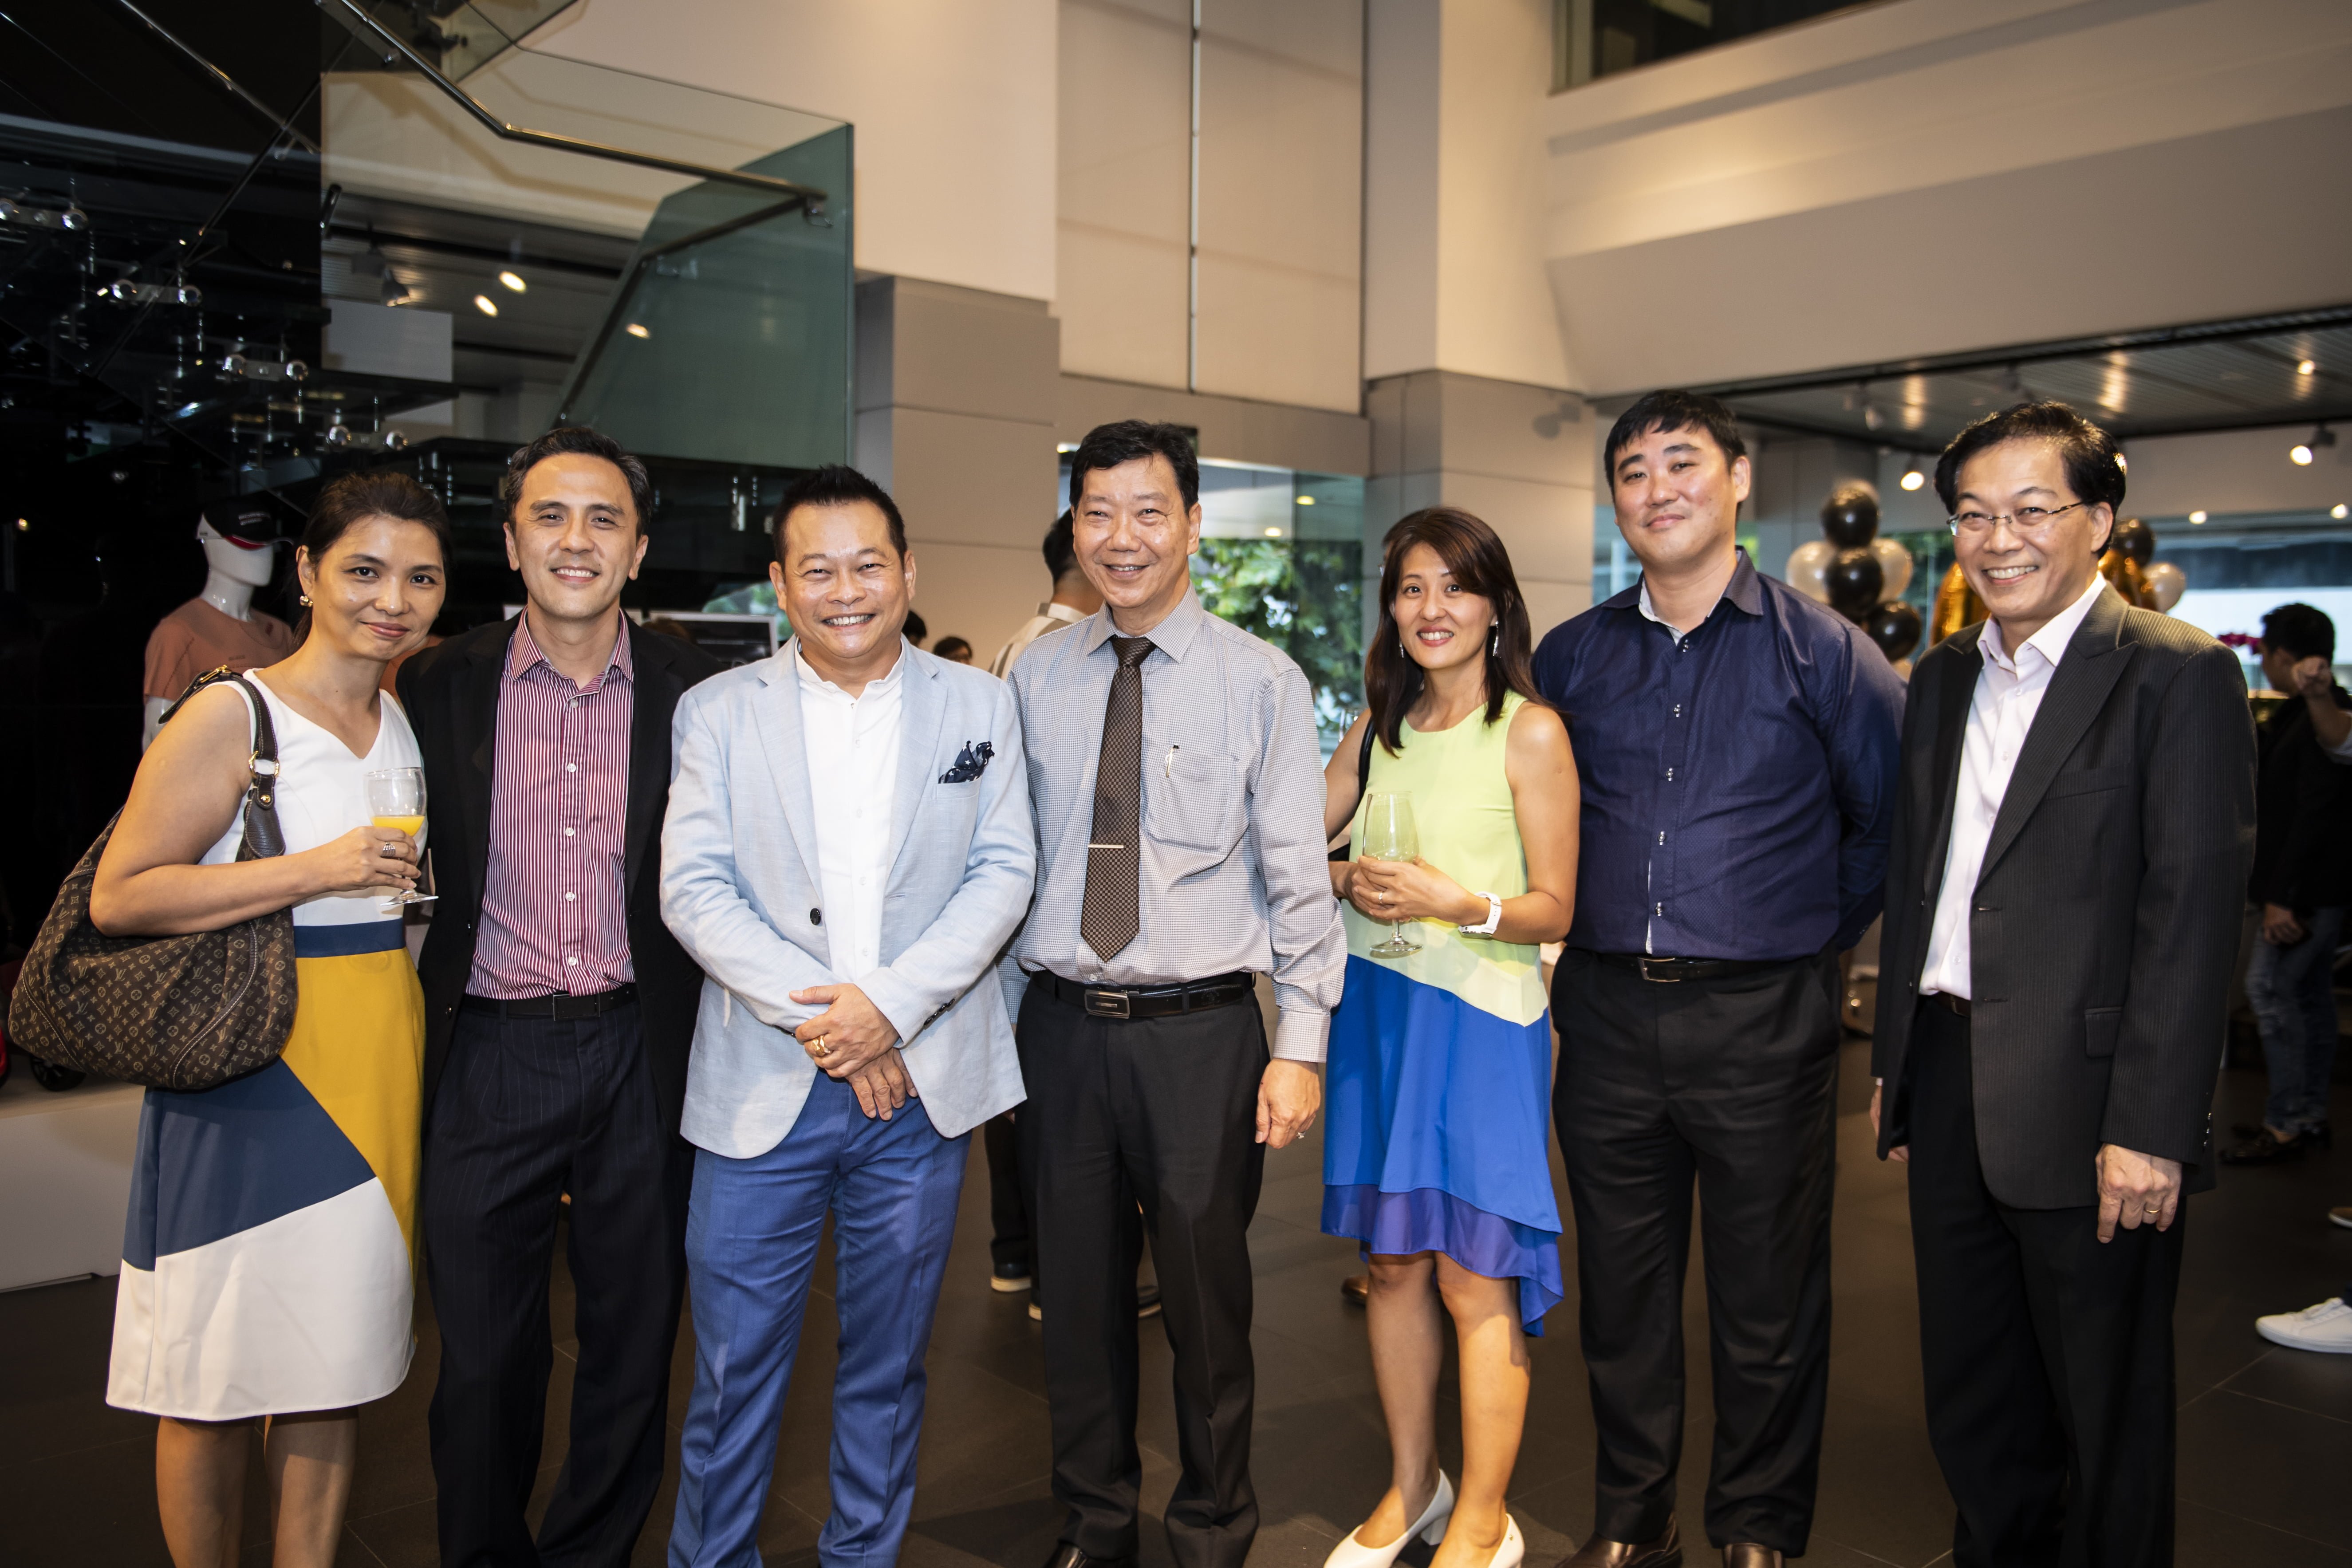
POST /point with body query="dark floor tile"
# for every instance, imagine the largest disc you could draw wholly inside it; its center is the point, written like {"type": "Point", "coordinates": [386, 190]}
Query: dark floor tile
{"type": "Point", "coordinates": [2302, 1380]}
{"type": "Point", "coordinates": [2265, 1462]}
{"type": "Point", "coordinates": [2209, 1537]}
{"type": "Point", "coordinates": [96, 1505]}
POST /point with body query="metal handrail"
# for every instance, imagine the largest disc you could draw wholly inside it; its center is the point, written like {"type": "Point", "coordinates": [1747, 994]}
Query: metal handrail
{"type": "Point", "coordinates": [809, 196]}
{"type": "Point", "coordinates": [235, 88]}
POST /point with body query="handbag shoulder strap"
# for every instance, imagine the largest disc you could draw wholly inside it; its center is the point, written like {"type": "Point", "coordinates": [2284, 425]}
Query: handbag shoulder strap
{"type": "Point", "coordinates": [263, 837]}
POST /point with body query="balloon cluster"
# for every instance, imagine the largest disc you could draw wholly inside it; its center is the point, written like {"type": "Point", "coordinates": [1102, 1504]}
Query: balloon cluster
{"type": "Point", "coordinates": [1857, 573]}
{"type": "Point", "coordinates": [2130, 565]}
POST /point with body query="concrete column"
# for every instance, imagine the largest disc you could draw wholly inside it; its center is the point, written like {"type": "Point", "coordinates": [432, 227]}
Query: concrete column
{"type": "Point", "coordinates": [1519, 457]}
{"type": "Point", "coordinates": [956, 395]}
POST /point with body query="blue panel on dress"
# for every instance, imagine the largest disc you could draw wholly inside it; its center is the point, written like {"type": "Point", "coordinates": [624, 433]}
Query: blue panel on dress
{"type": "Point", "coordinates": [212, 1164]}
{"type": "Point", "coordinates": [352, 937]}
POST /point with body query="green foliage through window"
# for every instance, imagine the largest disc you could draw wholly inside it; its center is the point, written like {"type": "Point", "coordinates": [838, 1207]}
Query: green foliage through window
{"type": "Point", "coordinates": [1303, 595]}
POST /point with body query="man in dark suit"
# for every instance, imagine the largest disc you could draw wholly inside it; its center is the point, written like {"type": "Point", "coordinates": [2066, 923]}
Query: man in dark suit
{"type": "Point", "coordinates": [559, 1016]}
{"type": "Point", "coordinates": [2072, 838]}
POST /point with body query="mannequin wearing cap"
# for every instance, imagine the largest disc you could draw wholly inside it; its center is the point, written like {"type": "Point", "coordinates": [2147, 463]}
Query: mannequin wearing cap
{"type": "Point", "coordinates": [220, 626]}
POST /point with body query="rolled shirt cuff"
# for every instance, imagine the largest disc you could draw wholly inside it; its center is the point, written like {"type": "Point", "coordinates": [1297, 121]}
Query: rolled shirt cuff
{"type": "Point", "coordinates": [1301, 1033]}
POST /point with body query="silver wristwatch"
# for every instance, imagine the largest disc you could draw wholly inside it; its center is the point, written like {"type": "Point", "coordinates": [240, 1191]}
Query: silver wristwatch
{"type": "Point", "coordinates": [1493, 918]}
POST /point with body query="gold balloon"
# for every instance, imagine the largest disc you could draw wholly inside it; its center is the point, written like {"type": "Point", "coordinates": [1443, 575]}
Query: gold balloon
{"type": "Point", "coordinates": [1957, 605]}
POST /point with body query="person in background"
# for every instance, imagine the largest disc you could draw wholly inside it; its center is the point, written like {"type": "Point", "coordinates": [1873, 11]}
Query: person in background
{"type": "Point", "coordinates": [1074, 597]}
{"type": "Point", "coordinates": [1010, 1250]}
{"type": "Point", "coordinates": [916, 632]}
{"type": "Point", "coordinates": [1436, 1157]}
{"type": "Point", "coordinates": [558, 1013]}
{"type": "Point", "coordinates": [848, 850]}
{"type": "Point", "coordinates": [1736, 745]}
{"type": "Point", "coordinates": [2302, 881]}
{"type": "Point", "coordinates": [955, 650]}
{"type": "Point", "coordinates": [266, 1260]}
{"type": "Point", "coordinates": [2072, 832]}
{"type": "Point", "coordinates": [1178, 790]}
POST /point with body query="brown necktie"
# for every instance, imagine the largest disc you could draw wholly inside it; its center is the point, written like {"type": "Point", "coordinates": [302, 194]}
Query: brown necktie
{"type": "Point", "coordinates": [1108, 917]}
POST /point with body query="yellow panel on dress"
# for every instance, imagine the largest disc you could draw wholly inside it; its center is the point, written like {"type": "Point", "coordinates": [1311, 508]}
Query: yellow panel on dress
{"type": "Point", "coordinates": [357, 1046]}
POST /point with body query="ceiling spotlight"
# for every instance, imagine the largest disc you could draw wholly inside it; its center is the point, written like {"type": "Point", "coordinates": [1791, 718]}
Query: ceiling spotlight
{"type": "Point", "coordinates": [2197, 516]}
{"type": "Point", "coordinates": [1305, 500]}
{"type": "Point", "coordinates": [1273, 532]}
{"type": "Point", "coordinates": [637, 330]}
{"type": "Point", "coordinates": [393, 291]}
{"type": "Point", "coordinates": [2303, 453]}
{"type": "Point", "coordinates": [513, 281]}
{"type": "Point", "coordinates": [486, 305]}
{"type": "Point", "coordinates": [1912, 478]}
{"type": "Point", "coordinates": [2338, 511]}
{"type": "Point", "coordinates": [2299, 455]}
{"type": "Point", "coordinates": [2305, 366]}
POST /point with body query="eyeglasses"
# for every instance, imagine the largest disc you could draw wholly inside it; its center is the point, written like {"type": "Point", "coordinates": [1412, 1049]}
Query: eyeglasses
{"type": "Point", "coordinates": [2025, 520]}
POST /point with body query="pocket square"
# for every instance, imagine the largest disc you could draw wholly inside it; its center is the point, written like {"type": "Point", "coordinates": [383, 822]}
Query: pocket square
{"type": "Point", "coordinates": [970, 764]}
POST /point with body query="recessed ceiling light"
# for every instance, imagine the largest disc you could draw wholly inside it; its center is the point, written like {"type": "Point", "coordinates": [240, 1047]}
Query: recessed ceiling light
{"type": "Point", "coordinates": [1912, 480]}
{"type": "Point", "coordinates": [1305, 500]}
{"type": "Point", "coordinates": [2197, 516]}
{"type": "Point", "coordinates": [2338, 511]}
{"type": "Point", "coordinates": [1274, 533]}
{"type": "Point", "coordinates": [486, 305]}
{"type": "Point", "coordinates": [2305, 367]}
{"type": "Point", "coordinates": [513, 281]}
{"type": "Point", "coordinates": [637, 329]}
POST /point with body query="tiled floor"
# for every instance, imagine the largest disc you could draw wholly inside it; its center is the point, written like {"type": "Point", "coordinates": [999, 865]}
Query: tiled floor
{"type": "Point", "coordinates": [2266, 1473]}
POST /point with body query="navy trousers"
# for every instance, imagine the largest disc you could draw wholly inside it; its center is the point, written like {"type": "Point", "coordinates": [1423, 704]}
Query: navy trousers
{"type": "Point", "coordinates": [751, 1238]}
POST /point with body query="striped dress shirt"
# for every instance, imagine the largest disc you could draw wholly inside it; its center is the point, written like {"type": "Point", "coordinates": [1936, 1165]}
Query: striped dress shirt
{"type": "Point", "coordinates": [1233, 875]}
{"type": "Point", "coordinates": [553, 914]}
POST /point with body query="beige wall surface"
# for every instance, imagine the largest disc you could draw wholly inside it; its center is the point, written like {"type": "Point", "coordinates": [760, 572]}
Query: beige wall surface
{"type": "Point", "coordinates": [2234, 471]}
{"type": "Point", "coordinates": [1933, 175]}
{"type": "Point", "coordinates": [953, 105]}
{"type": "Point", "coordinates": [1280, 196]}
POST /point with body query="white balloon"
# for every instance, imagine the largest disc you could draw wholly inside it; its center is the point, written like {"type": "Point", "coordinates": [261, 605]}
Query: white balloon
{"type": "Point", "coordinates": [2166, 584]}
{"type": "Point", "coordinates": [1808, 569]}
{"type": "Point", "coordinates": [1893, 567]}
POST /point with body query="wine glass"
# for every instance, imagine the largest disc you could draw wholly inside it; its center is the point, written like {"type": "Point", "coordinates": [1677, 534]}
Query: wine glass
{"type": "Point", "coordinates": [396, 800]}
{"type": "Point", "coordinates": [1389, 836]}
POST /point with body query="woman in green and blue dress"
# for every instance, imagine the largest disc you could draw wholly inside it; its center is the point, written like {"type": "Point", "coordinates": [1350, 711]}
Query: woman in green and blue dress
{"type": "Point", "coordinates": [1435, 1153]}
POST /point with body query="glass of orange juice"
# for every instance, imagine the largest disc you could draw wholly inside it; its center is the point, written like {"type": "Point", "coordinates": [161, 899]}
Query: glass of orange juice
{"type": "Point", "coordinates": [396, 800]}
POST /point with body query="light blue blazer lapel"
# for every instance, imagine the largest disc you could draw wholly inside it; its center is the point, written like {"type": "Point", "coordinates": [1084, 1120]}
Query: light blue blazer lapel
{"type": "Point", "coordinates": [786, 745]}
{"type": "Point", "coordinates": [922, 735]}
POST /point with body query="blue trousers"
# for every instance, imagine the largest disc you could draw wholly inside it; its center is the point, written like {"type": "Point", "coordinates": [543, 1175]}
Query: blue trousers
{"type": "Point", "coordinates": [750, 1248]}
{"type": "Point", "coordinates": [2292, 992]}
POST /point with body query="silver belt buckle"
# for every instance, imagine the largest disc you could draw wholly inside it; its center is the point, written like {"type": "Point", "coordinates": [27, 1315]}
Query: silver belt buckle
{"type": "Point", "coordinates": [1659, 979]}
{"type": "Point", "coordinates": [1107, 1005]}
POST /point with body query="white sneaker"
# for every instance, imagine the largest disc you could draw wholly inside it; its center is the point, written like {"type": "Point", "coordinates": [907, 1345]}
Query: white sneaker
{"type": "Point", "coordinates": [2326, 1327]}
{"type": "Point", "coordinates": [1431, 1527]}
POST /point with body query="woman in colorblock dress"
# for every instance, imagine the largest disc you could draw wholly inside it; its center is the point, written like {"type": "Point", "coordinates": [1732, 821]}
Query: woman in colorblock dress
{"type": "Point", "coordinates": [1436, 1155]}
{"type": "Point", "coordinates": [266, 1261]}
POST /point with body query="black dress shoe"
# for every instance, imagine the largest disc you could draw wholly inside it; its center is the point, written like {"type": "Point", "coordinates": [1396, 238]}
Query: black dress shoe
{"type": "Point", "coordinates": [2263, 1149]}
{"type": "Point", "coordinates": [1747, 1554]}
{"type": "Point", "coordinates": [1068, 1556]}
{"type": "Point", "coordinates": [1665, 1551]}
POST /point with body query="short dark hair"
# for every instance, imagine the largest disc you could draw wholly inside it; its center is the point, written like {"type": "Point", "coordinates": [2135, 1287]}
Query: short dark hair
{"type": "Point", "coordinates": [2095, 468]}
{"type": "Point", "coordinates": [589, 443]}
{"type": "Point", "coordinates": [1481, 565]}
{"type": "Point", "coordinates": [1672, 409]}
{"type": "Point", "coordinates": [949, 647]}
{"type": "Point", "coordinates": [2301, 630]}
{"type": "Point", "coordinates": [1108, 445]}
{"type": "Point", "coordinates": [1061, 547]}
{"type": "Point", "coordinates": [837, 484]}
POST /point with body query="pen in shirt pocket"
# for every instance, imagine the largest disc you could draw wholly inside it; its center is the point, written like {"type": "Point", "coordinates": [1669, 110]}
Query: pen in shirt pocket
{"type": "Point", "coordinates": [1168, 767]}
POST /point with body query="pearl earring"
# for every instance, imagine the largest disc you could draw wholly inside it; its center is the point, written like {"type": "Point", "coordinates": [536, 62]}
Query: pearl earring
{"type": "Point", "coordinates": [306, 601]}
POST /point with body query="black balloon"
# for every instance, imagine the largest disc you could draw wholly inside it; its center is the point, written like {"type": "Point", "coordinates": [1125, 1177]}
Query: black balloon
{"type": "Point", "coordinates": [1850, 517]}
{"type": "Point", "coordinates": [1854, 581]}
{"type": "Point", "coordinates": [2135, 539]}
{"type": "Point", "coordinates": [1895, 628]}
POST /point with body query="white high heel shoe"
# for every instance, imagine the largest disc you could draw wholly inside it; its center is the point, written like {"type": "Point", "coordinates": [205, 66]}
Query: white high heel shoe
{"type": "Point", "coordinates": [1513, 1548]}
{"type": "Point", "coordinates": [1430, 1527]}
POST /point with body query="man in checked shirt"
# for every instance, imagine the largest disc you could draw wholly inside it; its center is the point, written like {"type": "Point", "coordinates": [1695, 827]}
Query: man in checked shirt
{"type": "Point", "coordinates": [559, 1014]}
{"type": "Point", "coordinates": [1179, 797]}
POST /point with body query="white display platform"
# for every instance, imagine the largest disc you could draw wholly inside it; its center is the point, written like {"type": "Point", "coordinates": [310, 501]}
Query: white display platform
{"type": "Point", "coordinates": [64, 1178]}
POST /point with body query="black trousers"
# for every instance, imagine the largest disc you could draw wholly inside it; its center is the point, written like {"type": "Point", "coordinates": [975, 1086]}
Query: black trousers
{"type": "Point", "coordinates": [2048, 1354]}
{"type": "Point", "coordinates": [1158, 1114]}
{"type": "Point", "coordinates": [1732, 1082]}
{"type": "Point", "coordinates": [1008, 1200]}
{"type": "Point", "coordinates": [527, 1110]}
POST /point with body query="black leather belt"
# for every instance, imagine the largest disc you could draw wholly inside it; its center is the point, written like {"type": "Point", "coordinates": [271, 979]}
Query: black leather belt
{"type": "Point", "coordinates": [1135, 1002]}
{"type": "Point", "coordinates": [1949, 1003]}
{"type": "Point", "coordinates": [1666, 971]}
{"type": "Point", "coordinates": [556, 1005]}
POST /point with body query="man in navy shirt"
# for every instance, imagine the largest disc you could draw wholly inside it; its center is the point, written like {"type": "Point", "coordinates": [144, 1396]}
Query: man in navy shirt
{"type": "Point", "coordinates": [1737, 744]}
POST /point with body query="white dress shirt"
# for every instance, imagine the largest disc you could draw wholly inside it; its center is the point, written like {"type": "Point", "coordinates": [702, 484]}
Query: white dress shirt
{"type": "Point", "coordinates": [1050, 616]}
{"type": "Point", "coordinates": [853, 775]}
{"type": "Point", "coordinates": [2009, 694]}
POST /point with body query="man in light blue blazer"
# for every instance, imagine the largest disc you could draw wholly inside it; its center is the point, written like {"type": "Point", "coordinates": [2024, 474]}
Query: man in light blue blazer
{"type": "Point", "coordinates": [848, 850]}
